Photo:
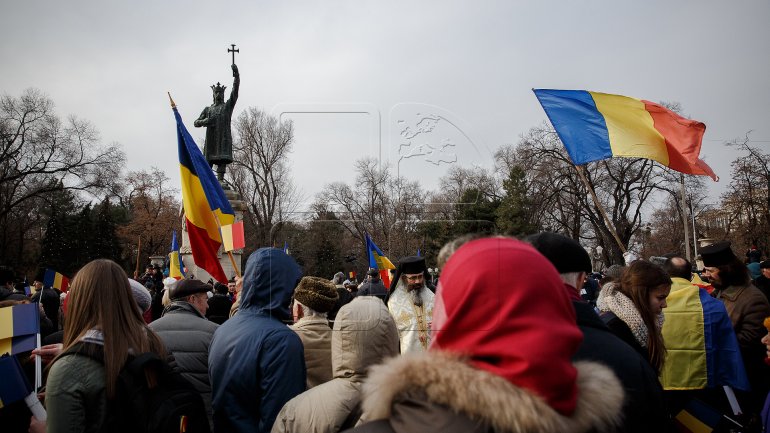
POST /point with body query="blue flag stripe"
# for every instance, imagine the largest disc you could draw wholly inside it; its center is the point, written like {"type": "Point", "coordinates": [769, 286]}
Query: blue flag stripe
{"type": "Point", "coordinates": [192, 158]}
{"type": "Point", "coordinates": [580, 126]}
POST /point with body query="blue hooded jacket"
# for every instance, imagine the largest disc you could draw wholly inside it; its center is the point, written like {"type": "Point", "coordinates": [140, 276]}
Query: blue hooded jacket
{"type": "Point", "coordinates": [256, 362]}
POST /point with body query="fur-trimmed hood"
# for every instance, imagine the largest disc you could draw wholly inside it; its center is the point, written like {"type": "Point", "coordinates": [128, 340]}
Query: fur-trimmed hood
{"type": "Point", "coordinates": [446, 379]}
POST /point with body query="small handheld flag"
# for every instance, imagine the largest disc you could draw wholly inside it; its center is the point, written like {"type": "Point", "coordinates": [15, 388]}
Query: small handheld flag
{"type": "Point", "coordinates": [377, 260]}
{"type": "Point", "coordinates": [176, 266]}
{"type": "Point", "coordinates": [14, 386]}
{"type": "Point", "coordinates": [56, 280]}
{"type": "Point", "coordinates": [697, 417]}
{"type": "Point", "coordinates": [19, 326]}
{"type": "Point", "coordinates": [233, 237]}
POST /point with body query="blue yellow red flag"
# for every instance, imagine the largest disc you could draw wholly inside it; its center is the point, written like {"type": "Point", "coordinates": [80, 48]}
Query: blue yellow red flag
{"type": "Point", "coordinates": [56, 280]}
{"type": "Point", "coordinates": [205, 206]}
{"type": "Point", "coordinates": [377, 259]}
{"type": "Point", "coordinates": [595, 126]}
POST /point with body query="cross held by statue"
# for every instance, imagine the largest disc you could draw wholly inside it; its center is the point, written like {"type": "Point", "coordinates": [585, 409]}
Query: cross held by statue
{"type": "Point", "coordinates": [233, 50]}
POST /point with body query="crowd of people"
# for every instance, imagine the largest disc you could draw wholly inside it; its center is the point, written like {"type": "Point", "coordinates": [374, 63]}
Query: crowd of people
{"type": "Point", "coordinates": [517, 336]}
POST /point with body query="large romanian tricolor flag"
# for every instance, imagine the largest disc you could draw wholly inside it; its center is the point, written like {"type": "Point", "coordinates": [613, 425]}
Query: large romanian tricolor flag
{"type": "Point", "coordinates": [377, 260]}
{"type": "Point", "coordinates": [19, 326]}
{"type": "Point", "coordinates": [595, 126]}
{"type": "Point", "coordinates": [205, 206]}
{"type": "Point", "coordinates": [56, 280]}
{"type": "Point", "coordinates": [703, 351]}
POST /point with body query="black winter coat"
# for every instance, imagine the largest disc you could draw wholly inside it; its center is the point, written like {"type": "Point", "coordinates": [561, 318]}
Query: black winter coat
{"type": "Point", "coordinates": [644, 410]}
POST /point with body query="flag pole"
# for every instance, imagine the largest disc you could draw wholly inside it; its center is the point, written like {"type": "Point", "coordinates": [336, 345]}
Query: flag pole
{"type": "Point", "coordinates": [607, 221]}
{"type": "Point", "coordinates": [38, 365]}
{"type": "Point", "coordinates": [138, 253]}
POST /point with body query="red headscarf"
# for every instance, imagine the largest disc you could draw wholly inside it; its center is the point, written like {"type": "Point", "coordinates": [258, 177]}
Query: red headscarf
{"type": "Point", "coordinates": [503, 305]}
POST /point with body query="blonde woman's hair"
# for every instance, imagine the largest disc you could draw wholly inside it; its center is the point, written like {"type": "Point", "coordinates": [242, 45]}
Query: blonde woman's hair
{"type": "Point", "coordinates": [100, 298]}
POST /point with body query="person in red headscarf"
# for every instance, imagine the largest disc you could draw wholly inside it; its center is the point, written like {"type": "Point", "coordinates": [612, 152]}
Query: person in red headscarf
{"type": "Point", "coordinates": [503, 336]}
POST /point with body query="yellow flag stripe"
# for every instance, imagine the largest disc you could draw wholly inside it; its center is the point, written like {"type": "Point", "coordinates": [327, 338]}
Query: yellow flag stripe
{"type": "Point", "coordinates": [631, 128]}
{"type": "Point", "coordinates": [6, 324]}
{"type": "Point", "coordinates": [196, 207]}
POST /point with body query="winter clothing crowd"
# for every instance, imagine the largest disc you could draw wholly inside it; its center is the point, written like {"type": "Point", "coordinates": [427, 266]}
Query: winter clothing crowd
{"type": "Point", "coordinates": [516, 336]}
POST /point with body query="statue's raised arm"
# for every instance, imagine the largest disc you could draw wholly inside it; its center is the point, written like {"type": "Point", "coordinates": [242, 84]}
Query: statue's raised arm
{"type": "Point", "coordinates": [218, 148]}
{"type": "Point", "coordinates": [236, 85]}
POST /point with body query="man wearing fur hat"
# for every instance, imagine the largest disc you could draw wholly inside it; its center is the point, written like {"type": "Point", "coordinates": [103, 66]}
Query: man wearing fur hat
{"type": "Point", "coordinates": [313, 298]}
{"type": "Point", "coordinates": [187, 334]}
{"type": "Point", "coordinates": [747, 308]}
{"type": "Point", "coordinates": [411, 304]}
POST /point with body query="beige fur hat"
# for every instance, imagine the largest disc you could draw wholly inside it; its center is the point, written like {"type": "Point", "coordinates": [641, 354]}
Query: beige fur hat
{"type": "Point", "coordinates": [317, 293]}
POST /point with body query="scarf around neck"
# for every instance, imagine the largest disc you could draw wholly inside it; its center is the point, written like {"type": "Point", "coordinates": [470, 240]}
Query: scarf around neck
{"type": "Point", "coordinates": [610, 299]}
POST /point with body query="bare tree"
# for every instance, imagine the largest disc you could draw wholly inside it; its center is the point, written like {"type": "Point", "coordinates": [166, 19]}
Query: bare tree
{"type": "Point", "coordinates": [385, 206]}
{"type": "Point", "coordinates": [624, 187]}
{"type": "Point", "coordinates": [745, 207]}
{"type": "Point", "coordinates": [153, 212]}
{"type": "Point", "coordinates": [260, 172]}
{"type": "Point", "coordinates": [41, 154]}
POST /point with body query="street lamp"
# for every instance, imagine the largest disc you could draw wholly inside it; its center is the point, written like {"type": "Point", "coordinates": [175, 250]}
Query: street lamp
{"type": "Point", "coordinates": [432, 272]}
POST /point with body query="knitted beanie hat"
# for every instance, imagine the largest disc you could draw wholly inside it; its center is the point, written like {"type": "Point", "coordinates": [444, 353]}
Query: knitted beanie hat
{"type": "Point", "coordinates": [317, 293]}
{"type": "Point", "coordinates": [141, 295]}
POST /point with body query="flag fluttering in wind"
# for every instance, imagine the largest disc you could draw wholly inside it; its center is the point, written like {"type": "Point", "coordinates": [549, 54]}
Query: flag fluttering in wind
{"type": "Point", "coordinates": [205, 206]}
{"type": "Point", "coordinates": [56, 280]}
{"type": "Point", "coordinates": [175, 264]}
{"type": "Point", "coordinates": [378, 260]}
{"type": "Point", "coordinates": [233, 237]}
{"type": "Point", "coordinates": [595, 126]}
{"type": "Point", "coordinates": [19, 326]}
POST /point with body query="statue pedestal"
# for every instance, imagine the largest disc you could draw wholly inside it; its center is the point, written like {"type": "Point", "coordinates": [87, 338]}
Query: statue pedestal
{"type": "Point", "coordinates": [200, 274]}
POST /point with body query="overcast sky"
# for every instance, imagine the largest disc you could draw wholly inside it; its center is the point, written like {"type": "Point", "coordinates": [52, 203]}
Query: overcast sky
{"type": "Point", "coordinates": [358, 77]}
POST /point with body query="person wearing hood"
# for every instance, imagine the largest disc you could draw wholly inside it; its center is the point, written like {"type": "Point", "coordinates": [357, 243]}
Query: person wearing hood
{"type": "Point", "coordinates": [411, 304]}
{"type": "Point", "coordinates": [500, 357]}
{"type": "Point", "coordinates": [256, 362]}
{"type": "Point", "coordinates": [187, 334]}
{"type": "Point", "coordinates": [364, 335]}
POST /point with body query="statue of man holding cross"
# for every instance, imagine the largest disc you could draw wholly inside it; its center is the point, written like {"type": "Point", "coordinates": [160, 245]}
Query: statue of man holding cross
{"type": "Point", "coordinates": [218, 148]}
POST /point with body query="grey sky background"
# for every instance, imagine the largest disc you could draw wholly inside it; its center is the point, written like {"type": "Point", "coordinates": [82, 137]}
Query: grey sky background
{"type": "Point", "coordinates": [353, 75]}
